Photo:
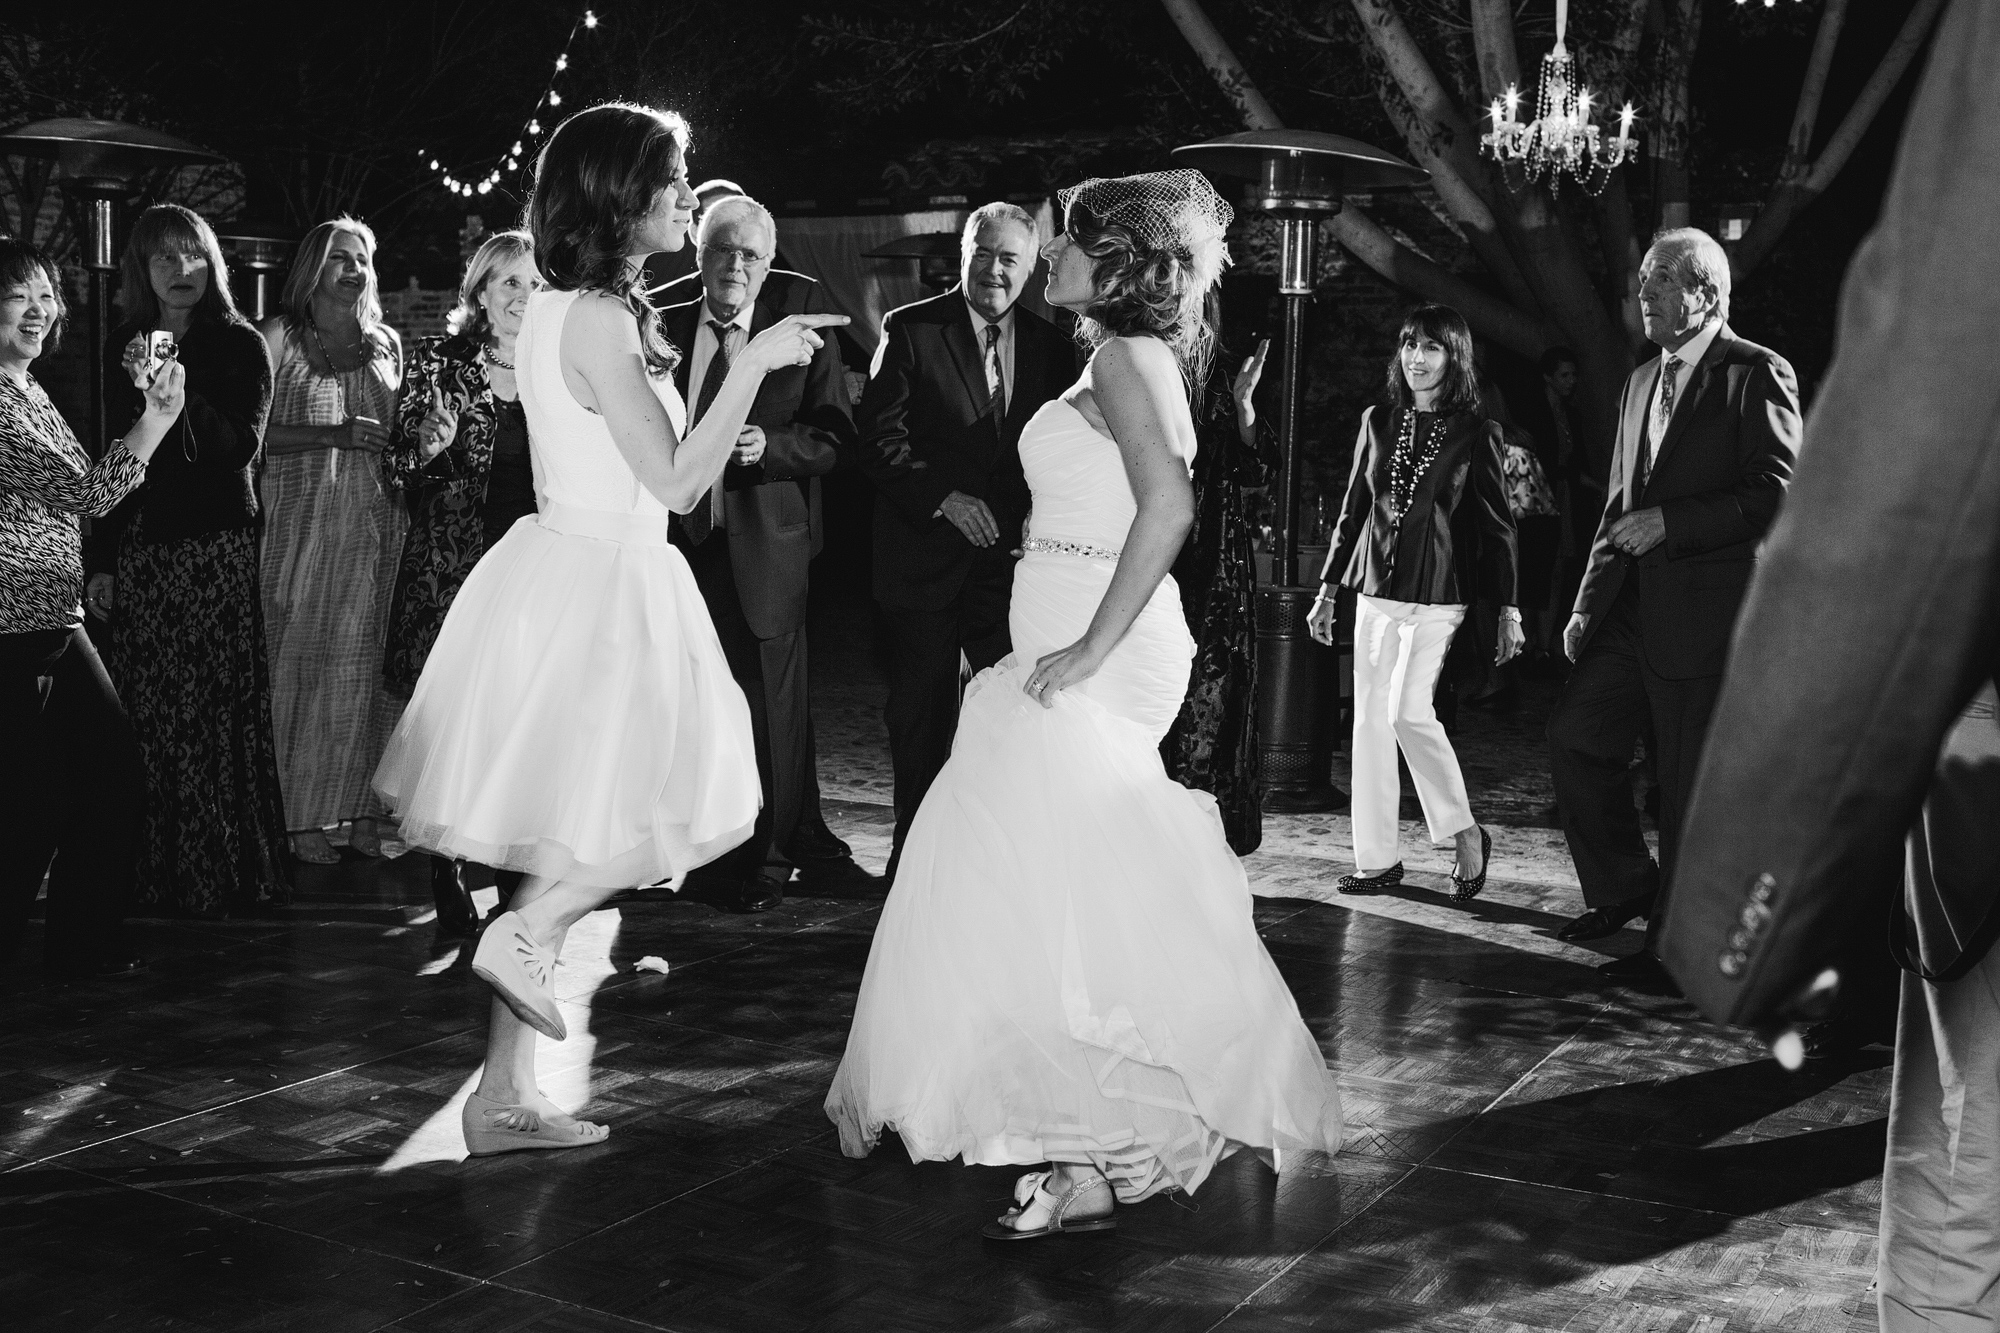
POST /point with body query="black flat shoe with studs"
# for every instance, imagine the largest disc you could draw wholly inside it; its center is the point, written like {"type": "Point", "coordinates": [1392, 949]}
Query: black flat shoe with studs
{"type": "Point", "coordinates": [1360, 883]}
{"type": "Point", "coordinates": [1465, 890]}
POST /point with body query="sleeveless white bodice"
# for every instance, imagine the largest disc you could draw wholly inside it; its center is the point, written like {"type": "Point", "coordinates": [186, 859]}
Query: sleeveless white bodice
{"type": "Point", "coordinates": [576, 463]}
{"type": "Point", "coordinates": [1077, 477]}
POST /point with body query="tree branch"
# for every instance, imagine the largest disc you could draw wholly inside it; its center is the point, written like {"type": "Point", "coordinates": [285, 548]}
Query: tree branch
{"type": "Point", "coordinates": [1214, 52]}
{"type": "Point", "coordinates": [1493, 39]}
{"type": "Point", "coordinates": [1798, 148]}
{"type": "Point", "coordinates": [1500, 320]}
{"type": "Point", "coordinates": [1790, 197]}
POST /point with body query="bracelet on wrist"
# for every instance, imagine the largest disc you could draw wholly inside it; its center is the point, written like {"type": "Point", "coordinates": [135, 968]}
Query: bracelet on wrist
{"type": "Point", "coordinates": [1512, 613]}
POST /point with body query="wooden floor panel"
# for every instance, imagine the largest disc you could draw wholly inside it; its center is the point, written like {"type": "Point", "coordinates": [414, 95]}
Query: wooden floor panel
{"type": "Point", "coordinates": [261, 1132]}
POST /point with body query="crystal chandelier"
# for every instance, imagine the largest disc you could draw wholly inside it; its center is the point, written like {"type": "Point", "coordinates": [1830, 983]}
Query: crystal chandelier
{"type": "Point", "coordinates": [1560, 140]}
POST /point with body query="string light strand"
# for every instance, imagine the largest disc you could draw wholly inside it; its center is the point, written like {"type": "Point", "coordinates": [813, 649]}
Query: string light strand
{"type": "Point", "coordinates": [467, 184]}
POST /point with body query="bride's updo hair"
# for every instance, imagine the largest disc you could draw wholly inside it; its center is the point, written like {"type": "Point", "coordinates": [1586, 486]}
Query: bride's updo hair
{"type": "Point", "coordinates": [600, 173]}
{"type": "Point", "coordinates": [1156, 245]}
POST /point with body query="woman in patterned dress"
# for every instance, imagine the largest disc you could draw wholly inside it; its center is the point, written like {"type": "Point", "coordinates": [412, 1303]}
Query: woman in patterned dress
{"type": "Point", "coordinates": [1212, 745]}
{"type": "Point", "coordinates": [63, 723]}
{"type": "Point", "coordinates": [459, 451]}
{"type": "Point", "coordinates": [333, 536]}
{"type": "Point", "coordinates": [174, 571]}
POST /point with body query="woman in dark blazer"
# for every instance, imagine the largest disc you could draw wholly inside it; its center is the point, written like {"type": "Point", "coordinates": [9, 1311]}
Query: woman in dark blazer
{"type": "Point", "coordinates": [459, 454]}
{"type": "Point", "coordinates": [1425, 529]}
{"type": "Point", "coordinates": [174, 571]}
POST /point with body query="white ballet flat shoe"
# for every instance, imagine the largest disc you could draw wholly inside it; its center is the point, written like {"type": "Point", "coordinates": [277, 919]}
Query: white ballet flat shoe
{"type": "Point", "coordinates": [521, 972]}
{"type": "Point", "coordinates": [495, 1127]}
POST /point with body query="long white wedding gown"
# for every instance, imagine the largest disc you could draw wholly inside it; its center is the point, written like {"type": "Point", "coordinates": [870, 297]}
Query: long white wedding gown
{"type": "Point", "coordinates": [576, 718]}
{"type": "Point", "coordinates": [1066, 968]}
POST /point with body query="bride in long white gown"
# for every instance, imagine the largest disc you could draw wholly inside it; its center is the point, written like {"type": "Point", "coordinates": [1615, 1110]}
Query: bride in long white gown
{"type": "Point", "coordinates": [1066, 970]}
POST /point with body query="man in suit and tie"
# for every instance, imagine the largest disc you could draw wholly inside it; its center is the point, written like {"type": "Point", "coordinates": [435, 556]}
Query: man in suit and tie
{"type": "Point", "coordinates": [955, 379]}
{"type": "Point", "coordinates": [752, 538]}
{"type": "Point", "coordinates": [1706, 442]}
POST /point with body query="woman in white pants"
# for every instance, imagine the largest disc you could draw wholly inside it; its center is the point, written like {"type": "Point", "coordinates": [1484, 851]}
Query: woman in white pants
{"type": "Point", "coordinates": [1424, 530]}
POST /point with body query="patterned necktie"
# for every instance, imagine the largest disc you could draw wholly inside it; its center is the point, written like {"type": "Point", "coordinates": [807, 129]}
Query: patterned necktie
{"type": "Point", "coordinates": [700, 521]}
{"type": "Point", "coordinates": [996, 383]}
{"type": "Point", "coordinates": [1648, 446]}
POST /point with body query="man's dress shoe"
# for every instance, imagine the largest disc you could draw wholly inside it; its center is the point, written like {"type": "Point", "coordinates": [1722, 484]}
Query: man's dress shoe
{"type": "Point", "coordinates": [742, 897]}
{"type": "Point", "coordinates": [835, 872]}
{"type": "Point", "coordinates": [1640, 972]}
{"type": "Point", "coordinates": [1599, 922]}
{"type": "Point", "coordinates": [816, 842]}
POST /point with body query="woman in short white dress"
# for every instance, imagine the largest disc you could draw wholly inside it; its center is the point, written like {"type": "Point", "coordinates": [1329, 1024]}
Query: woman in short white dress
{"type": "Point", "coordinates": [576, 720]}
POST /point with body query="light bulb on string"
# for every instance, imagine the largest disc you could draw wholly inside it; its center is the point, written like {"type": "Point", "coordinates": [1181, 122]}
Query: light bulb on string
{"type": "Point", "coordinates": [589, 19]}
{"type": "Point", "coordinates": [534, 127]}
{"type": "Point", "coordinates": [555, 98]}
{"type": "Point", "coordinates": [562, 62]}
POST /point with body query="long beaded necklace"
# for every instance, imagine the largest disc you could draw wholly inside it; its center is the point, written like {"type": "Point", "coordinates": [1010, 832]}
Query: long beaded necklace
{"type": "Point", "coordinates": [1411, 461]}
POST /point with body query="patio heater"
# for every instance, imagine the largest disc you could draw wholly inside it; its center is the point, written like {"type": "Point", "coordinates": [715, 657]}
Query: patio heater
{"type": "Point", "coordinates": [102, 162]}
{"type": "Point", "coordinates": [259, 251]}
{"type": "Point", "coordinates": [1298, 176]}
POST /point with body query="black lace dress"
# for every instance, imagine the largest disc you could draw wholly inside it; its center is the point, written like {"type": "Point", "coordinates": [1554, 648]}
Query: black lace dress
{"type": "Point", "coordinates": [1213, 744]}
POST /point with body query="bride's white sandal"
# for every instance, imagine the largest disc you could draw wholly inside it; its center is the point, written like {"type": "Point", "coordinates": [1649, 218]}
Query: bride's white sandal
{"type": "Point", "coordinates": [1073, 1210]}
{"type": "Point", "coordinates": [495, 1127]}
{"type": "Point", "coordinates": [521, 972]}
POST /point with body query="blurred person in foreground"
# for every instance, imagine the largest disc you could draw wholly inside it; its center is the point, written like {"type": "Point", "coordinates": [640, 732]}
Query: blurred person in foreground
{"type": "Point", "coordinates": [751, 540]}
{"type": "Point", "coordinates": [1870, 625]}
{"type": "Point", "coordinates": [174, 572]}
{"type": "Point", "coordinates": [1707, 435]}
{"type": "Point", "coordinates": [75, 784]}
{"type": "Point", "coordinates": [459, 454]}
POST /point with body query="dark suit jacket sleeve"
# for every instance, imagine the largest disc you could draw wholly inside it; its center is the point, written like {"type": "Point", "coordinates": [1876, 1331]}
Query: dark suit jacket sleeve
{"type": "Point", "coordinates": [1768, 445]}
{"type": "Point", "coordinates": [903, 479]}
{"type": "Point", "coordinates": [1355, 510]}
{"type": "Point", "coordinates": [821, 429]}
{"type": "Point", "coordinates": [1496, 518]}
{"type": "Point", "coordinates": [1602, 552]}
{"type": "Point", "coordinates": [1869, 621]}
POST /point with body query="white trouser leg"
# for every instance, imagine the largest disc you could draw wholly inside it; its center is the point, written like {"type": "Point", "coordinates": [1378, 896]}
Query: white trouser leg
{"type": "Point", "coordinates": [1426, 749]}
{"type": "Point", "coordinates": [1379, 649]}
{"type": "Point", "coordinates": [1939, 1270]}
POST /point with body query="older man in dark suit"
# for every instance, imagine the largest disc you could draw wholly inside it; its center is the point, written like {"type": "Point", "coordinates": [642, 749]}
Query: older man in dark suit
{"type": "Point", "coordinates": [1706, 442]}
{"type": "Point", "coordinates": [955, 379]}
{"type": "Point", "coordinates": [753, 537]}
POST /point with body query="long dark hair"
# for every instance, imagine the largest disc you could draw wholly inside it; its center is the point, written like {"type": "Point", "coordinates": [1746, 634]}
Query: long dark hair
{"type": "Point", "coordinates": [1447, 328]}
{"type": "Point", "coordinates": [170, 229]}
{"type": "Point", "coordinates": [19, 263]}
{"type": "Point", "coordinates": [600, 172]}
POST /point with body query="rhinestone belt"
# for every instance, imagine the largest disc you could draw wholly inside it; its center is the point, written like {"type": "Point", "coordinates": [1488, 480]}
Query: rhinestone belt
{"type": "Point", "coordinates": [1050, 546]}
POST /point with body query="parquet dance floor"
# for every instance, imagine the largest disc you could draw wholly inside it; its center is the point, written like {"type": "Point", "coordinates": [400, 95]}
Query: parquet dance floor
{"type": "Point", "coordinates": [261, 1133]}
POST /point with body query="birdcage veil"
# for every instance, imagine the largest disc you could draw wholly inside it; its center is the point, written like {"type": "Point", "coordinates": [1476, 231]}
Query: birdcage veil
{"type": "Point", "coordinates": [1176, 212]}
{"type": "Point", "coordinates": [1157, 241]}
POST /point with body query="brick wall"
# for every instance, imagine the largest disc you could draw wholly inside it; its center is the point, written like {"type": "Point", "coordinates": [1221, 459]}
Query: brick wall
{"type": "Point", "coordinates": [417, 312]}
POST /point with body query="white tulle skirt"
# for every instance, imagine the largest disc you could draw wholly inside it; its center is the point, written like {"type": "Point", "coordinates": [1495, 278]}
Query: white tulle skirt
{"type": "Point", "coordinates": [576, 718]}
{"type": "Point", "coordinates": [1066, 968]}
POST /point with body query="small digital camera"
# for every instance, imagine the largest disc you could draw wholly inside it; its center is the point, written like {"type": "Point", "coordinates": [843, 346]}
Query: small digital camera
{"type": "Point", "coordinates": [160, 345]}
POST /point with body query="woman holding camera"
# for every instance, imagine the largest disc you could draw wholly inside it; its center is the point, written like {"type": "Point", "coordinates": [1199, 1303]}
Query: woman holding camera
{"type": "Point", "coordinates": [174, 572]}
{"type": "Point", "coordinates": [332, 538]}
{"type": "Point", "coordinates": [460, 452]}
{"type": "Point", "coordinates": [60, 716]}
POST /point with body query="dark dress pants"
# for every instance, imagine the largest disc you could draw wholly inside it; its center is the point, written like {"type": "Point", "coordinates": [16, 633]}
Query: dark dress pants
{"type": "Point", "coordinates": [1611, 699]}
{"type": "Point", "coordinates": [922, 713]}
{"type": "Point", "coordinates": [75, 792]}
{"type": "Point", "coordinates": [772, 673]}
